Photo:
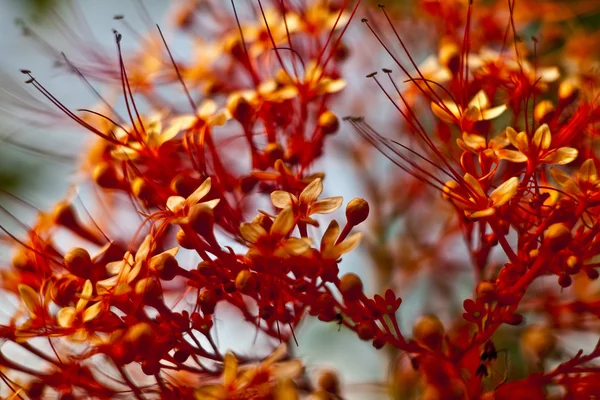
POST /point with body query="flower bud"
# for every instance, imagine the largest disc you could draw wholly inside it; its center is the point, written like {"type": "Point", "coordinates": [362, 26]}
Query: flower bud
{"type": "Point", "coordinates": [106, 176]}
{"type": "Point", "coordinates": [166, 265]}
{"type": "Point", "coordinates": [142, 190]}
{"type": "Point", "coordinates": [514, 319]}
{"type": "Point", "coordinates": [357, 211]}
{"type": "Point", "coordinates": [544, 111]}
{"type": "Point", "coordinates": [274, 152]}
{"type": "Point", "coordinates": [240, 108]}
{"type": "Point", "coordinates": [564, 280]}
{"type": "Point", "coordinates": [428, 331]}
{"type": "Point", "coordinates": [329, 123]}
{"type": "Point", "coordinates": [568, 90]}
{"type": "Point", "coordinates": [208, 301]}
{"type": "Point", "coordinates": [246, 281]}
{"type": "Point", "coordinates": [78, 262]}
{"type": "Point", "coordinates": [449, 56]}
{"type": "Point", "coordinates": [183, 240]}
{"type": "Point", "coordinates": [485, 290]}
{"type": "Point", "coordinates": [140, 335]}
{"type": "Point", "coordinates": [557, 236]}
{"type": "Point", "coordinates": [351, 287]}
{"type": "Point", "coordinates": [329, 382]}
{"type": "Point", "coordinates": [23, 261]}
{"type": "Point", "coordinates": [538, 340]}
{"type": "Point", "coordinates": [149, 289]}
{"type": "Point", "coordinates": [201, 219]}
{"type": "Point", "coordinates": [365, 331]}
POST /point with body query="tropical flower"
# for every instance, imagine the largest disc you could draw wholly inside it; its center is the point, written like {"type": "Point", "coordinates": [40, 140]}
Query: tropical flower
{"type": "Point", "coordinates": [275, 242]}
{"type": "Point", "coordinates": [179, 206]}
{"type": "Point", "coordinates": [539, 150]}
{"type": "Point", "coordinates": [478, 109]}
{"type": "Point", "coordinates": [307, 204]}
{"type": "Point", "coordinates": [474, 201]}
{"type": "Point", "coordinates": [331, 249]}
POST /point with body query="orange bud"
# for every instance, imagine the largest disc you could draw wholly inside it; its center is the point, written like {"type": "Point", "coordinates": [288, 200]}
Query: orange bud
{"type": "Point", "coordinates": [329, 123]}
{"type": "Point", "coordinates": [428, 331]}
{"type": "Point", "coordinates": [78, 261]}
{"type": "Point", "coordinates": [357, 211]}
{"type": "Point", "coordinates": [183, 240]}
{"type": "Point", "coordinates": [544, 111]}
{"type": "Point", "coordinates": [208, 301]}
{"type": "Point", "coordinates": [201, 218]}
{"type": "Point", "coordinates": [240, 108]}
{"type": "Point", "coordinates": [485, 289]}
{"type": "Point", "coordinates": [274, 152]}
{"type": "Point", "coordinates": [449, 56]}
{"type": "Point", "coordinates": [246, 281]}
{"type": "Point", "coordinates": [351, 287]}
{"type": "Point", "coordinates": [329, 382]}
{"type": "Point", "coordinates": [107, 177]}
{"type": "Point", "coordinates": [538, 340]}
{"type": "Point", "coordinates": [166, 265]}
{"type": "Point", "coordinates": [148, 288]}
{"type": "Point", "coordinates": [365, 331]}
{"type": "Point", "coordinates": [557, 236]}
{"type": "Point", "coordinates": [142, 190]}
{"type": "Point", "coordinates": [568, 90]}
{"type": "Point", "coordinates": [140, 334]}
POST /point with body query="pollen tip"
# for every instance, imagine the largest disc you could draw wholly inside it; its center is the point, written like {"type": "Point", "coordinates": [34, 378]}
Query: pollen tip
{"type": "Point", "coordinates": [386, 70]}
{"type": "Point", "coordinates": [363, 20]}
{"type": "Point", "coordinates": [372, 74]}
{"type": "Point", "coordinates": [380, 5]}
{"type": "Point", "coordinates": [25, 71]}
{"type": "Point", "coordinates": [118, 17]}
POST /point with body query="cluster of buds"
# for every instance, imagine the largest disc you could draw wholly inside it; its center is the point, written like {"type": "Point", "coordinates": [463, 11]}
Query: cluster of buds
{"type": "Point", "coordinates": [507, 143]}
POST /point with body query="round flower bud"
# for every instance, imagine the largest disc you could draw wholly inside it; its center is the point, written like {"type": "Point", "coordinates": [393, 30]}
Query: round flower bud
{"type": "Point", "coordinates": [514, 319]}
{"type": "Point", "coordinates": [166, 265]}
{"type": "Point", "coordinates": [357, 211]}
{"type": "Point", "coordinates": [538, 340]}
{"type": "Point", "coordinates": [568, 90]}
{"type": "Point", "coordinates": [449, 56]}
{"type": "Point", "coordinates": [428, 331]}
{"type": "Point", "coordinates": [64, 214]}
{"type": "Point", "coordinates": [142, 190]}
{"type": "Point", "coordinates": [544, 111]}
{"type": "Point", "coordinates": [23, 261]}
{"type": "Point", "coordinates": [201, 218]}
{"type": "Point", "coordinates": [240, 108]}
{"type": "Point", "coordinates": [149, 289]}
{"type": "Point", "coordinates": [78, 261]}
{"type": "Point", "coordinates": [329, 382]}
{"type": "Point", "coordinates": [557, 237]}
{"type": "Point", "coordinates": [564, 280]}
{"type": "Point", "coordinates": [351, 287]}
{"type": "Point", "coordinates": [183, 240]}
{"type": "Point", "coordinates": [485, 289]}
{"type": "Point", "coordinates": [365, 331]}
{"type": "Point", "coordinates": [208, 301]}
{"type": "Point", "coordinates": [329, 123]}
{"type": "Point", "coordinates": [106, 176]}
{"type": "Point", "coordinates": [246, 281]}
{"type": "Point", "coordinates": [140, 335]}
{"type": "Point", "coordinates": [274, 152]}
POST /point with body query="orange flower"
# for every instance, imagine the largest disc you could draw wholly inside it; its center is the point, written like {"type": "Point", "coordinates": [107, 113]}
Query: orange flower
{"type": "Point", "coordinates": [275, 242]}
{"type": "Point", "coordinates": [307, 204]}
{"type": "Point", "coordinates": [332, 250]}
{"type": "Point", "coordinates": [474, 201]}
{"type": "Point", "coordinates": [478, 109]}
{"type": "Point", "coordinates": [538, 150]}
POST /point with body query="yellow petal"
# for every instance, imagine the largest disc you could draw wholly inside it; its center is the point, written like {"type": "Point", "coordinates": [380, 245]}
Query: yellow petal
{"type": "Point", "coordinates": [92, 312]}
{"type": "Point", "coordinates": [332, 85]}
{"type": "Point", "coordinates": [145, 248]}
{"type": "Point", "coordinates": [330, 236]}
{"type": "Point", "coordinates": [492, 113]}
{"type": "Point", "coordinates": [281, 199]}
{"type": "Point", "coordinates": [442, 113]}
{"type": "Point", "coordinates": [512, 155]}
{"type": "Point", "coordinates": [284, 222]}
{"type": "Point", "coordinates": [230, 369]}
{"type": "Point", "coordinates": [30, 298]}
{"type": "Point", "coordinates": [199, 193]}
{"type": "Point", "coordinates": [311, 192]}
{"type": "Point", "coordinates": [349, 243]}
{"type": "Point", "coordinates": [480, 101]}
{"type": "Point", "coordinates": [519, 140]}
{"type": "Point", "coordinates": [66, 316]}
{"type": "Point", "coordinates": [206, 109]}
{"type": "Point", "coordinates": [296, 246]}
{"type": "Point", "coordinates": [473, 183]}
{"type": "Point", "coordinates": [542, 138]}
{"type": "Point", "coordinates": [86, 293]}
{"type": "Point", "coordinates": [483, 213]}
{"type": "Point", "coordinates": [475, 142]}
{"type": "Point", "coordinates": [252, 232]}
{"type": "Point", "coordinates": [561, 156]}
{"type": "Point", "coordinates": [504, 192]}
{"type": "Point", "coordinates": [326, 206]}
{"type": "Point", "coordinates": [587, 172]}
{"type": "Point", "coordinates": [560, 177]}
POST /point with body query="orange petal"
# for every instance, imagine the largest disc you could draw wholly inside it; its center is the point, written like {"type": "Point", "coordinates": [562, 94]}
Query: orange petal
{"type": "Point", "coordinates": [504, 192]}
{"type": "Point", "coordinates": [542, 138]}
{"type": "Point", "coordinates": [326, 206]}
{"type": "Point", "coordinates": [311, 192]}
{"type": "Point", "coordinates": [30, 298]}
{"type": "Point", "coordinates": [284, 222]}
{"type": "Point", "coordinates": [561, 156]}
{"type": "Point", "coordinates": [199, 193]}
{"type": "Point", "coordinates": [252, 232]}
{"type": "Point", "coordinates": [512, 155]}
{"type": "Point", "coordinates": [587, 172]}
{"type": "Point", "coordinates": [282, 199]}
{"type": "Point", "coordinates": [66, 316]}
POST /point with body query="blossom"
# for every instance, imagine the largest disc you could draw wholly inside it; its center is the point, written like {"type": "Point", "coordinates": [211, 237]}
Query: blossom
{"type": "Point", "coordinates": [331, 248]}
{"type": "Point", "coordinates": [252, 381]}
{"type": "Point", "coordinates": [474, 201]}
{"type": "Point", "coordinates": [539, 150]}
{"type": "Point", "coordinates": [179, 205]}
{"type": "Point", "coordinates": [585, 180]}
{"type": "Point", "coordinates": [274, 242]}
{"type": "Point", "coordinates": [478, 109]}
{"type": "Point", "coordinates": [307, 204]}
